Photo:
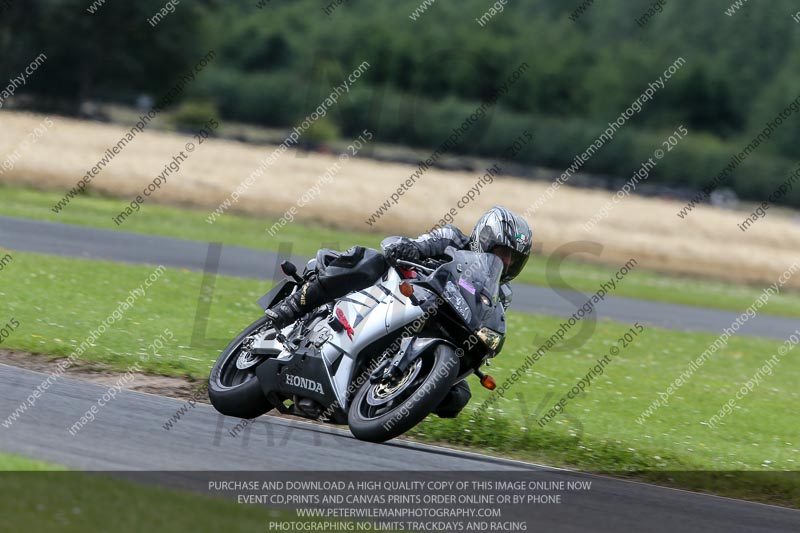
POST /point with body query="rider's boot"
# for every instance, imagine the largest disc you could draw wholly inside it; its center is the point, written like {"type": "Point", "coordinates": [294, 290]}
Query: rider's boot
{"type": "Point", "coordinates": [310, 296]}
{"type": "Point", "coordinates": [457, 398]}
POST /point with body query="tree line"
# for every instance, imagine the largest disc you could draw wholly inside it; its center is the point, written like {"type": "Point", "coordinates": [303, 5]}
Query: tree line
{"type": "Point", "coordinates": [278, 60]}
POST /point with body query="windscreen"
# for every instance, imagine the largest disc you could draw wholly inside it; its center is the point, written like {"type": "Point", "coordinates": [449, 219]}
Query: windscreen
{"type": "Point", "coordinates": [479, 273]}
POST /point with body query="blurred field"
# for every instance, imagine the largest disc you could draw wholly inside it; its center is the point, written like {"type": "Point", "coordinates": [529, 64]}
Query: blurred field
{"type": "Point", "coordinates": [708, 243]}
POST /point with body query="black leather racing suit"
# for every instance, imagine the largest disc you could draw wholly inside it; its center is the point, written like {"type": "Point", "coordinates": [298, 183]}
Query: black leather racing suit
{"type": "Point", "coordinates": [435, 242]}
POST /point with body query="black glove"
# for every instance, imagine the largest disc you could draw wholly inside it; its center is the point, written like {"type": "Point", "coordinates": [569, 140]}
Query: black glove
{"type": "Point", "coordinates": [402, 249]}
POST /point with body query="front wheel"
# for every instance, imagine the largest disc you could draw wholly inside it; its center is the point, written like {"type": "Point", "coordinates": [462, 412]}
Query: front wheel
{"type": "Point", "coordinates": [233, 387]}
{"type": "Point", "coordinates": [382, 411]}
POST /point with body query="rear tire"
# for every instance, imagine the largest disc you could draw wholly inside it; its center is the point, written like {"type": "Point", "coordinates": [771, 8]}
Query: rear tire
{"type": "Point", "coordinates": [426, 390]}
{"type": "Point", "coordinates": [235, 392]}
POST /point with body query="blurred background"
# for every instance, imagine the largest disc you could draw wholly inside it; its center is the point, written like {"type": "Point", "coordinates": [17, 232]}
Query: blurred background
{"type": "Point", "coordinates": [277, 59]}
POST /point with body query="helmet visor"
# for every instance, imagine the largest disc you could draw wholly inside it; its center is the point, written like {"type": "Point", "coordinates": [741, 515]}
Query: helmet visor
{"type": "Point", "coordinates": [513, 261]}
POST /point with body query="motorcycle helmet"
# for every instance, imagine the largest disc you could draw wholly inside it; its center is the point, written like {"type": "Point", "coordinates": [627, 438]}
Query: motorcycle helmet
{"type": "Point", "coordinates": [505, 234]}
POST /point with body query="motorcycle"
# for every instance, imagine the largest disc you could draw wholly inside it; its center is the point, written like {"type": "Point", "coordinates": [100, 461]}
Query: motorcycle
{"type": "Point", "coordinates": [379, 359]}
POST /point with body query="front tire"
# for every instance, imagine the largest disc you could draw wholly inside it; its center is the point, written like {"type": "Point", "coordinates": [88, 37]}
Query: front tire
{"type": "Point", "coordinates": [404, 408]}
{"type": "Point", "coordinates": [233, 391]}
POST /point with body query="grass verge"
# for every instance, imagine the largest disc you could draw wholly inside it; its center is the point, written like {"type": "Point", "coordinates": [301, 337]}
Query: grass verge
{"type": "Point", "coordinates": [37, 496]}
{"type": "Point", "coordinates": [187, 223]}
{"type": "Point", "coordinates": [57, 301]}
{"type": "Point", "coordinates": [17, 463]}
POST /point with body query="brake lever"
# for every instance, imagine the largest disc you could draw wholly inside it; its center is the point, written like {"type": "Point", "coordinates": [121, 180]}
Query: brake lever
{"type": "Point", "coordinates": [409, 264]}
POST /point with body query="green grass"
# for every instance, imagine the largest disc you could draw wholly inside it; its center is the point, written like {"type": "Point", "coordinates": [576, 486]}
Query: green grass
{"type": "Point", "coordinates": [58, 300]}
{"type": "Point", "coordinates": [305, 239]}
{"type": "Point", "coordinates": [758, 435]}
{"type": "Point", "coordinates": [65, 501]}
{"type": "Point", "coordinates": [16, 463]}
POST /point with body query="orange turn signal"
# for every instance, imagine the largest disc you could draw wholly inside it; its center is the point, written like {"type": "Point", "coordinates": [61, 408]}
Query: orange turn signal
{"type": "Point", "coordinates": [406, 289]}
{"type": "Point", "coordinates": [488, 382]}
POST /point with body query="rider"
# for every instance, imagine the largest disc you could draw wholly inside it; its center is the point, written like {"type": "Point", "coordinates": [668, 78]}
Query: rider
{"type": "Point", "coordinates": [498, 231]}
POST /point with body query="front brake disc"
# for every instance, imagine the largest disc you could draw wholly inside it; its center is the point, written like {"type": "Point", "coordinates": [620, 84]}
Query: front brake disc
{"type": "Point", "coordinates": [382, 393]}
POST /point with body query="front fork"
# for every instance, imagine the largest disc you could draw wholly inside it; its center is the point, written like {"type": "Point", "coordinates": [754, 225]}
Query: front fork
{"type": "Point", "coordinates": [411, 348]}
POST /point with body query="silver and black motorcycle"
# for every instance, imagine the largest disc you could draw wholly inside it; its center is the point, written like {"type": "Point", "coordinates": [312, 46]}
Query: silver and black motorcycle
{"type": "Point", "coordinates": [379, 359]}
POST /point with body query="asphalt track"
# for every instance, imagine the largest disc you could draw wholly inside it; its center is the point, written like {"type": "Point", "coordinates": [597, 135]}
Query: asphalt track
{"type": "Point", "coordinates": [93, 243]}
{"type": "Point", "coordinates": [128, 435]}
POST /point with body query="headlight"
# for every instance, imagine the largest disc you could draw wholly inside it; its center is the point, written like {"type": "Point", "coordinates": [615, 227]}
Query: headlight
{"type": "Point", "coordinates": [453, 296]}
{"type": "Point", "coordinates": [490, 338]}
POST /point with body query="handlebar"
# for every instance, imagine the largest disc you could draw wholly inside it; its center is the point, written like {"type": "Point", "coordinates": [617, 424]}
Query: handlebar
{"type": "Point", "coordinates": [414, 266]}
{"type": "Point", "coordinates": [424, 269]}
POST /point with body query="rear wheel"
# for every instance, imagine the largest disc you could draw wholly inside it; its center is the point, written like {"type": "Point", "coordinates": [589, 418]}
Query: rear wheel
{"type": "Point", "coordinates": [381, 411]}
{"type": "Point", "coordinates": [233, 387]}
